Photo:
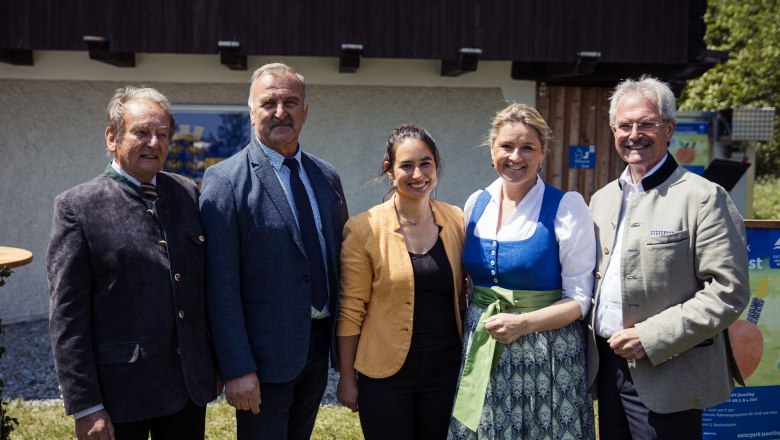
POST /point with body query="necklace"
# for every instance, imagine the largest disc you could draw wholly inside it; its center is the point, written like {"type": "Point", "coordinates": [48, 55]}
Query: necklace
{"type": "Point", "coordinates": [406, 219]}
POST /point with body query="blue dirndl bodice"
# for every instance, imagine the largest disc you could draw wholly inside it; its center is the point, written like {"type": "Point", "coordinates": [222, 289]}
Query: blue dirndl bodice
{"type": "Point", "coordinates": [531, 264]}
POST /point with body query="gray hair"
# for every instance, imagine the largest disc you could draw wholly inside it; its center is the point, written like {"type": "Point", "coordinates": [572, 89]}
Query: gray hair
{"type": "Point", "coordinates": [277, 70]}
{"type": "Point", "coordinates": [115, 112]}
{"type": "Point", "coordinates": [650, 88]}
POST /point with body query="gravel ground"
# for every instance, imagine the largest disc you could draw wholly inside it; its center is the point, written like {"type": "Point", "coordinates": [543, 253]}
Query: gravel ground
{"type": "Point", "coordinates": [27, 366]}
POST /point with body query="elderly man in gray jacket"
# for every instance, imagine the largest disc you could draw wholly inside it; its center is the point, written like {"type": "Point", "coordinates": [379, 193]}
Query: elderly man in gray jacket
{"type": "Point", "coordinates": [126, 265]}
{"type": "Point", "coordinates": [671, 276]}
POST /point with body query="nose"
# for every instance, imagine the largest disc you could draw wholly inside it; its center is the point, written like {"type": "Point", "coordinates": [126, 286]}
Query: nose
{"type": "Point", "coordinates": [634, 133]}
{"type": "Point", "coordinates": [515, 154]}
{"type": "Point", "coordinates": [417, 172]}
{"type": "Point", "coordinates": [279, 112]}
{"type": "Point", "coordinates": [154, 141]}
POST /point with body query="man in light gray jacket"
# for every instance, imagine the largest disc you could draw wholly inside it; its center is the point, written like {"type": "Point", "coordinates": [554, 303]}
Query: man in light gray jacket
{"type": "Point", "coordinates": [659, 350]}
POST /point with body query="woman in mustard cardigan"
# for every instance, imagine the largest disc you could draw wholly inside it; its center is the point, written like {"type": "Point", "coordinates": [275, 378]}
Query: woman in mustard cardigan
{"type": "Point", "coordinates": [402, 289]}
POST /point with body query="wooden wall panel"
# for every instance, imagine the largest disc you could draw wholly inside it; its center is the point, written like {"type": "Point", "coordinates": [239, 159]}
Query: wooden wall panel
{"type": "Point", "coordinates": [526, 31]}
{"type": "Point", "coordinates": [578, 116]}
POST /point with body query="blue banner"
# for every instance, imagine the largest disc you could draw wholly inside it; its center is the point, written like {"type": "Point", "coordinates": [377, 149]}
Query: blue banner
{"type": "Point", "coordinates": [752, 411]}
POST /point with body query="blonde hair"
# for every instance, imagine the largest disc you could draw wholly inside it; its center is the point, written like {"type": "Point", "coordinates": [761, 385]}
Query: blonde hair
{"type": "Point", "coordinates": [526, 115]}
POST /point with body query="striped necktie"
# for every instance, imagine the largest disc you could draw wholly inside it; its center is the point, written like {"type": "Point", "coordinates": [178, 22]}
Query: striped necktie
{"type": "Point", "coordinates": [150, 190]}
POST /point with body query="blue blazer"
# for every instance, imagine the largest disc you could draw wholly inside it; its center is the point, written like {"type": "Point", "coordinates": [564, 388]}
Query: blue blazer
{"type": "Point", "coordinates": [257, 279]}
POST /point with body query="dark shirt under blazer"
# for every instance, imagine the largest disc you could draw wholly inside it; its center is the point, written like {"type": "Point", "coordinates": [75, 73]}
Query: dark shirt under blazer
{"type": "Point", "coordinates": [127, 315]}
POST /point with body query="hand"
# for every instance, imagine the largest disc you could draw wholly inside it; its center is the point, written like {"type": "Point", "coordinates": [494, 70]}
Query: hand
{"type": "Point", "coordinates": [505, 327]}
{"type": "Point", "coordinates": [347, 392]}
{"type": "Point", "coordinates": [244, 393]}
{"type": "Point", "coordinates": [625, 343]}
{"type": "Point", "coordinates": [95, 426]}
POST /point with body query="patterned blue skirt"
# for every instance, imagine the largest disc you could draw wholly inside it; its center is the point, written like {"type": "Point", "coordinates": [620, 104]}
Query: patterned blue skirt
{"type": "Point", "coordinates": [538, 390]}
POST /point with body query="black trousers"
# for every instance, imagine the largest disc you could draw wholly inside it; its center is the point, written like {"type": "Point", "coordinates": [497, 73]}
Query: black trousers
{"type": "Point", "coordinates": [288, 410]}
{"type": "Point", "coordinates": [414, 403]}
{"type": "Point", "coordinates": [189, 423]}
{"type": "Point", "coordinates": [623, 416]}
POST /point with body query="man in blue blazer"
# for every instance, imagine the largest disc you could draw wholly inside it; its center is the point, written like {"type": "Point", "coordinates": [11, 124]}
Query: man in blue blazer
{"type": "Point", "coordinates": [274, 217]}
{"type": "Point", "coordinates": [126, 266]}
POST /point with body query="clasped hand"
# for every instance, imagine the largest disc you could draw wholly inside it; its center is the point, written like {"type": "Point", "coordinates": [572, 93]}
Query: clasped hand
{"type": "Point", "coordinates": [625, 343]}
{"type": "Point", "coordinates": [505, 327]}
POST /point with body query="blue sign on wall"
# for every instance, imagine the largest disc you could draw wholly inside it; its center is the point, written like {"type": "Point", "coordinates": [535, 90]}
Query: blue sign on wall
{"type": "Point", "coordinates": [582, 156]}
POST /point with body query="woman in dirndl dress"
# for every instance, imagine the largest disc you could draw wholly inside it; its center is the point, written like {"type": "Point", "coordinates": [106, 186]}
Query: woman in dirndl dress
{"type": "Point", "coordinates": [530, 251]}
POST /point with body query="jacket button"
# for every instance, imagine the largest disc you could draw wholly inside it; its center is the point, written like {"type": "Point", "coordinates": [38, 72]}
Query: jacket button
{"type": "Point", "coordinates": [162, 243]}
{"type": "Point", "coordinates": [201, 238]}
{"type": "Point", "coordinates": [606, 250]}
{"type": "Point", "coordinates": [306, 278]}
{"type": "Point", "coordinates": [181, 314]}
{"type": "Point", "coordinates": [150, 212]}
{"type": "Point", "coordinates": [307, 313]}
{"type": "Point", "coordinates": [598, 275]}
{"type": "Point", "coordinates": [178, 351]}
{"type": "Point", "coordinates": [177, 277]}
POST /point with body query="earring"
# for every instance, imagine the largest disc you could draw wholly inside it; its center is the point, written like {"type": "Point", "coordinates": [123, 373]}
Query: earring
{"type": "Point", "coordinates": [539, 169]}
{"type": "Point", "coordinates": [492, 165]}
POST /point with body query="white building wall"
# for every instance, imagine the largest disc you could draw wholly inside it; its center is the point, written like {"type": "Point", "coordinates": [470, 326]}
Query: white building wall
{"type": "Point", "coordinates": [52, 120]}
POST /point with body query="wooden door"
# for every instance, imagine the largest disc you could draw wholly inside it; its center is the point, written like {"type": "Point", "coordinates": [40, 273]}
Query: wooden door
{"type": "Point", "coordinates": [578, 116]}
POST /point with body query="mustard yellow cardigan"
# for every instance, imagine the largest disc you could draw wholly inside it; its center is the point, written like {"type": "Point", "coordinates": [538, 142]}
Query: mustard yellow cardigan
{"type": "Point", "coordinates": [377, 284]}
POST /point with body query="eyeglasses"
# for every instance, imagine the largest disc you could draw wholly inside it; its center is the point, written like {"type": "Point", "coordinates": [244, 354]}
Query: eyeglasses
{"type": "Point", "coordinates": [642, 127]}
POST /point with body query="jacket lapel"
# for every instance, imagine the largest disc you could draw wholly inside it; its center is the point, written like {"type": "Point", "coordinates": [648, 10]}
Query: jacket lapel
{"type": "Point", "coordinates": [262, 168]}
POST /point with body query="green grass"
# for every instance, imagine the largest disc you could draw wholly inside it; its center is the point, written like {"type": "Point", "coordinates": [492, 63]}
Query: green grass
{"type": "Point", "coordinates": [766, 202]}
{"type": "Point", "coordinates": [47, 420]}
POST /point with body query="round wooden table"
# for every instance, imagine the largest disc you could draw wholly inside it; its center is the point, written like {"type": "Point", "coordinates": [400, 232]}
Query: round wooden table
{"type": "Point", "coordinates": [14, 257]}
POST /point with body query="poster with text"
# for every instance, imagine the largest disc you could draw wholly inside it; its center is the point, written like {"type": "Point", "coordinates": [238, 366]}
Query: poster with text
{"type": "Point", "coordinates": [753, 411]}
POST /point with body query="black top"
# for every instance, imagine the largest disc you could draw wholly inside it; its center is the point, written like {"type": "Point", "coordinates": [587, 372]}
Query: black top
{"type": "Point", "coordinates": [434, 326]}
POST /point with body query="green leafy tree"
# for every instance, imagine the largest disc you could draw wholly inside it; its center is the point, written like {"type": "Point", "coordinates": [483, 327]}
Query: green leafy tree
{"type": "Point", "coordinates": [749, 30]}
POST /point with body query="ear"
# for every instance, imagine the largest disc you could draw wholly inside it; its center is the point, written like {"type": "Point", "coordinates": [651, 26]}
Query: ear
{"type": "Point", "coordinates": [670, 129]}
{"type": "Point", "coordinates": [385, 166]}
{"type": "Point", "coordinates": [111, 140]}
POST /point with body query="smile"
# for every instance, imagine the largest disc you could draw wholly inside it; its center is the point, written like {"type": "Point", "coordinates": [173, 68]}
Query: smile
{"type": "Point", "coordinates": [418, 185]}
{"type": "Point", "coordinates": [514, 166]}
{"type": "Point", "coordinates": [149, 156]}
{"type": "Point", "coordinates": [635, 146]}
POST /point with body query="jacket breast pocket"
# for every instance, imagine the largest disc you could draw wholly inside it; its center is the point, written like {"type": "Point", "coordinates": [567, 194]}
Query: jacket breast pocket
{"type": "Point", "coordinates": [113, 354]}
{"type": "Point", "coordinates": [668, 239]}
{"type": "Point", "coordinates": [664, 251]}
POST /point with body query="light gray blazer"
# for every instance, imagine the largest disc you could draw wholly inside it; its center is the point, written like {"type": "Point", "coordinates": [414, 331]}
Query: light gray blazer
{"type": "Point", "coordinates": [681, 289]}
